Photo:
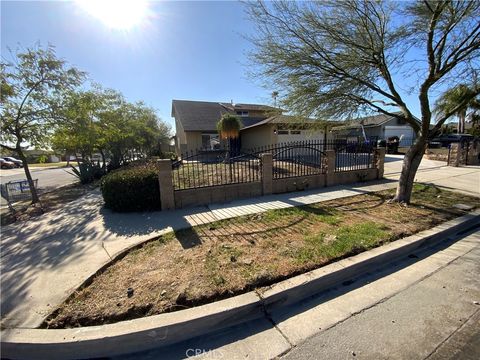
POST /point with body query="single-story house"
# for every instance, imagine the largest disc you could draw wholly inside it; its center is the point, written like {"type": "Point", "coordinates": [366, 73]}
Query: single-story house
{"type": "Point", "coordinates": [196, 125]}
{"type": "Point", "coordinates": [380, 126]}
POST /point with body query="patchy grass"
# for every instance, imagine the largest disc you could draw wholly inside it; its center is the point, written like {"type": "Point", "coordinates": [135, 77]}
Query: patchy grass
{"type": "Point", "coordinates": [229, 257]}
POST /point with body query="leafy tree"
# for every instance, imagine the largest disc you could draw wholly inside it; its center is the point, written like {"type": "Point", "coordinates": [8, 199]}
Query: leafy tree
{"type": "Point", "coordinates": [78, 133]}
{"type": "Point", "coordinates": [33, 86]}
{"type": "Point", "coordinates": [450, 99]}
{"type": "Point", "coordinates": [102, 120]}
{"type": "Point", "coordinates": [342, 58]}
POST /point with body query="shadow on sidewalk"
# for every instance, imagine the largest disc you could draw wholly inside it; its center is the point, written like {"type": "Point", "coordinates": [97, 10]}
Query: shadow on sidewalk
{"type": "Point", "coordinates": [62, 235]}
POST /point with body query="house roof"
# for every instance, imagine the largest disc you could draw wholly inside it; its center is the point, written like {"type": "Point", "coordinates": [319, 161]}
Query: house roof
{"type": "Point", "coordinates": [204, 115]}
{"type": "Point", "coordinates": [282, 119]}
{"type": "Point", "coordinates": [368, 121]}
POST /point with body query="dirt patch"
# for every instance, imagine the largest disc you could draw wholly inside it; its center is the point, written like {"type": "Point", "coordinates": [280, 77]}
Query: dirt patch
{"type": "Point", "coordinates": [229, 257]}
{"type": "Point", "coordinates": [51, 200]}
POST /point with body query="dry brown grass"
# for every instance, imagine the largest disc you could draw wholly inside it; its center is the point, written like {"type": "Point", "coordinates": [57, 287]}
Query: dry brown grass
{"type": "Point", "coordinates": [225, 258]}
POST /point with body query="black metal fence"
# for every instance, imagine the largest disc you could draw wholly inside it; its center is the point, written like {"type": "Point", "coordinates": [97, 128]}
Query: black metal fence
{"type": "Point", "coordinates": [355, 156]}
{"type": "Point", "coordinates": [213, 168]}
{"type": "Point", "coordinates": [204, 168]}
{"type": "Point", "coordinates": [298, 158]}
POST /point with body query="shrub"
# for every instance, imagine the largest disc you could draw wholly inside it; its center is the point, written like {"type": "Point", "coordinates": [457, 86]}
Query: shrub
{"type": "Point", "coordinates": [87, 172]}
{"type": "Point", "coordinates": [169, 155]}
{"type": "Point", "coordinates": [42, 159]}
{"type": "Point", "coordinates": [132, 188]}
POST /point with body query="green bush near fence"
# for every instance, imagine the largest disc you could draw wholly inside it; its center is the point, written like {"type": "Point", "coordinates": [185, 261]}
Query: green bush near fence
{"type": "Point", "coordinates": [133, 188]}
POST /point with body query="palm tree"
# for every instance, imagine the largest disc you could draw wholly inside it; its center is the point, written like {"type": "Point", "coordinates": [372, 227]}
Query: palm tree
{"type": "Point", "coordinates": [274, 96]}
{"type": "Point", "coordinates": [228, 126]}
{"type": "Point", "coordinates": [450, 100]}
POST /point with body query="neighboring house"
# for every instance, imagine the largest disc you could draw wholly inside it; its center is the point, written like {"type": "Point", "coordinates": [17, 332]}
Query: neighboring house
{"type": "Point", "coordinates": [380, 126]}
{"type": "Point", "coordinates": [196, 125]}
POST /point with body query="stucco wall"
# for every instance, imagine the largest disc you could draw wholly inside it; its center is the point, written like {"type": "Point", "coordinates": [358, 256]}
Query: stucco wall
{"type": "Point", "coordinates": [257, 136]}
{"type": "Point", "coordinates": [193, 140]}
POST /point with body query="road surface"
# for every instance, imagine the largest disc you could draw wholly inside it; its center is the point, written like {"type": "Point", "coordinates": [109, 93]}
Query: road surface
{"type": "Point", "coordinates": [48, 179]}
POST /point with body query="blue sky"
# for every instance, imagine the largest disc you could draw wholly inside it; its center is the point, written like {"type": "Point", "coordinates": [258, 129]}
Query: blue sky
{"type": "Point", "coordinates": [183, 50]}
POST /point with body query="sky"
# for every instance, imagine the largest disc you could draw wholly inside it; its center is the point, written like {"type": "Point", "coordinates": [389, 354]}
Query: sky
{"type": "Point", "coordinates": [181, 50]}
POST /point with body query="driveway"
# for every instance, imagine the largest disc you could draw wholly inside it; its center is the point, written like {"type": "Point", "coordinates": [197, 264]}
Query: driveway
{"type": "Point", "coordinates": [464, 179]}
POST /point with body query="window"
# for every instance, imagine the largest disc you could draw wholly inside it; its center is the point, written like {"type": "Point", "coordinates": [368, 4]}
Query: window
{"type": "Point", "coordinates": [242, 113]}
{"type": "Point", "coordinates": [210, 141]}
{"type": "Point", "coordinates": [295, 132]}
{"type": "Point", "coordinates": [282, 132]}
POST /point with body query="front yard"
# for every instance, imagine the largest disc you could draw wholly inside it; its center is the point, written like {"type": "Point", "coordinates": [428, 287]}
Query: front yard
{"type": "Point", "coordinates": [229, 257]}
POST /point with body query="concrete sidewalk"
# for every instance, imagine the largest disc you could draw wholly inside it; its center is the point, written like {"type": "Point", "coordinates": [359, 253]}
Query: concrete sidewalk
{"type": "Point", "coordinates": [44, 260]}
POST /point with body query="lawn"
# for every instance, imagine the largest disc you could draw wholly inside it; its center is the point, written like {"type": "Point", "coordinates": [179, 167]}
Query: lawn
{"type": "Point", "coordinates": [229, 257]}
{"type": "Point", "coordinates": [58, 164]}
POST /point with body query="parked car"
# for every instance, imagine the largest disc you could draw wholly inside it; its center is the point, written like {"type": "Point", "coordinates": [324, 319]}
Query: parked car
{"type": "Point", "coordinates": [446, 140]}
{"type": "Point", "coordinates": [392, 144]}
{"type": "Point", "coordinates": [18, 163]}
{"type": "Point", "coordinates": [6, 164]}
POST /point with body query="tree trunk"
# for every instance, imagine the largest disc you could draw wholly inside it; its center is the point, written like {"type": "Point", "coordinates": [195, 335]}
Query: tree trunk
{"type": "Point", "coordinates": [462, 122]}
{"type": "Point", "coordinates": [104, 165]}
{"type": "Point", "coordinates": [411, 162]}
{"type": "Point", "coordinates": [33, 190]}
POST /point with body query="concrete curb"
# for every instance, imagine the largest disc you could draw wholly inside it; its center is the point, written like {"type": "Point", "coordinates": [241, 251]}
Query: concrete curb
{"type": "Point", "coordinates": [166, 329]}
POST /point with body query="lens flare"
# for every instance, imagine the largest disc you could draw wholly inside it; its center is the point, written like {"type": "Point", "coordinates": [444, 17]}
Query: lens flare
{"type": "Point", "coordinates": [117, 14]}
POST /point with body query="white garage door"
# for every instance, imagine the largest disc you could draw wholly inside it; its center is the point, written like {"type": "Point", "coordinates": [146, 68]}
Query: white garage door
{"type": "Point", "coordinates": [405, 132]}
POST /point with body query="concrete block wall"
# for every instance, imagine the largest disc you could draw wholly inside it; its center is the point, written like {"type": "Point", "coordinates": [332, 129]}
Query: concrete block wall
{"type": "Point", "coordinates": [172, 199]}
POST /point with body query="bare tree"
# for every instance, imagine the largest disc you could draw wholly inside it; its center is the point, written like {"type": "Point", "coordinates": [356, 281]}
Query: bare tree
{"type": "Point", "coordinates": [342, 58]}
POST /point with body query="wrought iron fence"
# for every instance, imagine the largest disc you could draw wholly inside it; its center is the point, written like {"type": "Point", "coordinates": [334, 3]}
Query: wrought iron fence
{"type": "Point", "coordinates": [298, 158]}
{"type": "Point", "coordinates": [355, 156]}
{"type": "Point", "coordinates": [201, 168]}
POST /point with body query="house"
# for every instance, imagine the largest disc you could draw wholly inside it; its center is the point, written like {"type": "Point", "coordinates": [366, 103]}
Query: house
{"type": "Point", "coordinates": [196, 125]}
{"type": "Point", "coordinates": [380, 126]}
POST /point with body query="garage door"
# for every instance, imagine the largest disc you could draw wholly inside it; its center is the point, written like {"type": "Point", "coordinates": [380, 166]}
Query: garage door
{"type": "Point", "coordinates": [404, 132]}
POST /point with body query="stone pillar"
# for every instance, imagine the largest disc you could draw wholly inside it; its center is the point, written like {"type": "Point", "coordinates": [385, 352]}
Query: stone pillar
{"type": "Point", "coordinates": [455, 153]}
{"type": "Point", "coordinates": [167, 194]}
{"type": "Point", "coordinates": [380, 161]}
{"type": "Point", "coordinates": [330, 167]}
{"type": "Point", "coordinates": [267, 173]}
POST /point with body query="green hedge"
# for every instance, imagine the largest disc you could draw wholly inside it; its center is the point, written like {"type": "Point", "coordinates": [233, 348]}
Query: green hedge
{"type": "Point", "coordinates": [133, 188]}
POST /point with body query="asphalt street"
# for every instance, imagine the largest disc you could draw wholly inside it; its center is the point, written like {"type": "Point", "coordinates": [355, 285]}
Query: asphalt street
{"type": "Point", "coordinates": [48, 179]}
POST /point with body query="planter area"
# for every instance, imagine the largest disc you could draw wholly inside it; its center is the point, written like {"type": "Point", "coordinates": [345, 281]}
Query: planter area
{"type": "Point", "coordinates": [222, 259]}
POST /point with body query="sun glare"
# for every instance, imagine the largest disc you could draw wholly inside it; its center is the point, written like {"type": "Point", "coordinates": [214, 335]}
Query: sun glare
{"type": "Point", "coordinates": [117, 14]}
